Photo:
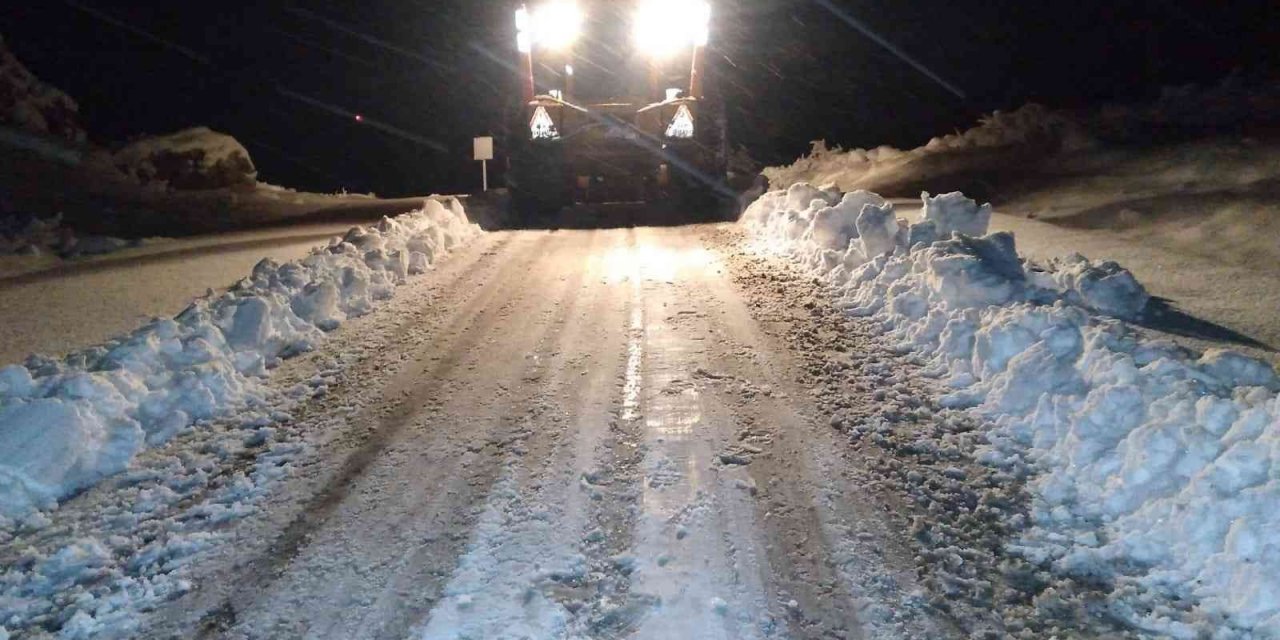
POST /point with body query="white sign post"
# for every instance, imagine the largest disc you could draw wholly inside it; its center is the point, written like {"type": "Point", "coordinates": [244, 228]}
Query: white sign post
{"type": "Point", "coordinates": [484, 153]}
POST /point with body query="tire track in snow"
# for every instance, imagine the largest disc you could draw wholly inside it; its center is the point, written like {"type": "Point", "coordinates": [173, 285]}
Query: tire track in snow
{"type": "Point", "coordinates": [743, 389]}
{"type": "Point", "coordinates": [696, 548]}
{"type": "Point", "coordinates": [417, 583]}
{"type": "Point", "coordinates": [854, 574]}
{"type": "Point", "coordinates": [464, 328]}
{"type": "Point", "coordinates": [605, 607]}
{"type": "Point", "coordinates": [520, 574]}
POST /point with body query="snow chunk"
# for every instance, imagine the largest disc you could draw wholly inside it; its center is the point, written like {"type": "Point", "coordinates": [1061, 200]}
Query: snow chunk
{"type": "Point", "coordinates": [15, 382]}
{"type": "Point", "coordinates": [954, 213]}
{"type": "Point", "coordinates": [1101, 286]}
{"type": "Point", "coordinates": [29, 236]}
{"type": "Point", "coordinates": [833, 227]}
{"type": "Point", "coordinates": [1234, 369]}
{"type": "Point", "coordinates": [75, 563]}
{"type": "Point", "coordinates": [49, 447]}
{"type": "Point", "coordinates": [802, 195]}
{"type": "Point", "coordinates": [877, 227]}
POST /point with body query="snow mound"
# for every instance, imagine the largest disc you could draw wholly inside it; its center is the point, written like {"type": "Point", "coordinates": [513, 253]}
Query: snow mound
{"type": "Point", "coordinates": [1155, 467]}
{"type": "Point", "coordinates": [193, 159]}
{"type": "Point", "coordinates": [29, 104]}
{"type": "Point", "coordinates": [844, 235]}
{"type": "Point", "coordinates": [64, 425]}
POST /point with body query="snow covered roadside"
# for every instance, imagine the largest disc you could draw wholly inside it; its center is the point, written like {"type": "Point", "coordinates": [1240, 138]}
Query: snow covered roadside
{"type": "Point", "coordinates": [65, 425]}
{"type": "Point", "coordinates": [1156, 469]}
{"type": "Point", "coordinates": [33, 238]}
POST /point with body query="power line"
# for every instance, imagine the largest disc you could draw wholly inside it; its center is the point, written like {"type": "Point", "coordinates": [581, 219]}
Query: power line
{"type": "Point", "coordinates": [141, 33]}
{"type": "Point", "coordinates": [850, 20]}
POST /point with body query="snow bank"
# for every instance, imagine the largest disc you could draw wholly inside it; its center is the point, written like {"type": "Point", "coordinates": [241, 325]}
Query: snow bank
{"type": "Point", "coordinates": [1155, 467]}
{"type": "Point", "coordinates": [65, 424]}
{"type": "Point", "coordinates": [846, 236]}
{"type": "Point", "coordinates": [192, 159]}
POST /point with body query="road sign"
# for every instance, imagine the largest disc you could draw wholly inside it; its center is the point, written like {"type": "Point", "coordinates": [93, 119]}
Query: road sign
{"type": "Point", "coordinates": [484, 148]}
{"type": "Point", "coordinates": [483, 151]}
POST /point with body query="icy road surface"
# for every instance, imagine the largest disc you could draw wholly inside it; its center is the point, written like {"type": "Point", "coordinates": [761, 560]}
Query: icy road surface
{"type": "Point", "coordinates": [571, 434]}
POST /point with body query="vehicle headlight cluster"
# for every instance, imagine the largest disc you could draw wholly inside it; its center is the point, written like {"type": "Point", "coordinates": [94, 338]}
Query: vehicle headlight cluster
{"type": "Point", "coordinates": [660, 27]}
{"type": "Point", "coordinates": [666, 27]}
{"type": "Point", "coordinates": [554, 25]}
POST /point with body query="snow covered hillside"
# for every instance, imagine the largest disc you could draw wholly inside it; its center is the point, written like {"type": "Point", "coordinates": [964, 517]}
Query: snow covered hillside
{"type": "Point", "coordinates": [29, 104]}
{"type": "Point", "coordinates": [1154, 468]}
{"type": "Point", "coordinates": [1213, 197]}
{"type": "Point", "coordinates": [1001, 142]}
{"type": "Point", "coordinates": [195, 181]}
{"type": "Point", "coordinates": [1192, 140]}
{"type": "Point", "coordinates": [65, 424]}
{"type": "Point", "coordinates": [202, 182]}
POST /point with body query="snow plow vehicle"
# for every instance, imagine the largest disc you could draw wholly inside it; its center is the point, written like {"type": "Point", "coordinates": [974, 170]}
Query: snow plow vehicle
{"type": "Point", "coordinates": [615, 111]}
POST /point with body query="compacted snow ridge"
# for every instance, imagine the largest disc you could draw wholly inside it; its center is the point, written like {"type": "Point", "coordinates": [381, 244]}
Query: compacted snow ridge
{"type": "Point", "coordinates": [1153, 471]}
{"type": "Point", "coordinates": [66, 424]}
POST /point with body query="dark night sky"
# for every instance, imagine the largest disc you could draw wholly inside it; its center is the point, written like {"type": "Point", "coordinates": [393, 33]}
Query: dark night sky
{"type": "Point", "coordinates": [791, 71]}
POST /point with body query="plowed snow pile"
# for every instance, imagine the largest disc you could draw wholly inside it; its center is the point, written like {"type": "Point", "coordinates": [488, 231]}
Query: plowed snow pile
{"type": "Point", "coordinates": [1156, 469]}
{"type": "Point", "coordinates": [66, 424]}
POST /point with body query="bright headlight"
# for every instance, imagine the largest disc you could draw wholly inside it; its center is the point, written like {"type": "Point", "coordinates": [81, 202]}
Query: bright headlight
{"type": "Point", "coordinates": [554, 25]}
{"type": "Point", "coordinates": [664, 27]}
